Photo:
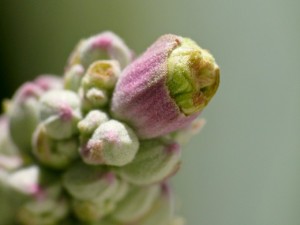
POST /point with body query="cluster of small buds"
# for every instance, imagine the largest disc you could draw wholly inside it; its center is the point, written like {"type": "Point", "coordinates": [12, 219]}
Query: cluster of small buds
{"type": "Point", "coordinates": [98, 146]}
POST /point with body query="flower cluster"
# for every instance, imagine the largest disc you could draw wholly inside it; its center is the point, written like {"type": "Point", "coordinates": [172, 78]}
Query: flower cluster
{"type": "Point", "coordinates": [98, 146]}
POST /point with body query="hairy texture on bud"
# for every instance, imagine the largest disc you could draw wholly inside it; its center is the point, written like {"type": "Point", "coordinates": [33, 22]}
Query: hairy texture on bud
{"type": "Point", "coordinates": [54, 153]}
{"type": "Point", "coordinates": [155, 161]}
{"type": "Point", "coordinates": [166, 88]}
{"type": "Point", "coordinates": [60, 113]}
{"type": "Point", "coordinates": [113, 143]}
{"type": "Point", "coordinates": [106, 45]}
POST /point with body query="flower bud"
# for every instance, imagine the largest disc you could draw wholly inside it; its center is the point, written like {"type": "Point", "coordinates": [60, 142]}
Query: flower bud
{"type": "Point", "coordinates": [23, 115]}
{"type": "Point", "coordinates": [102, 74]}
{"type": "Point", "coordinates": [106, 45]}
{"type": "Point", "coordinates": [162, 211]}
{"type": "Point", "coordinates": [48, 82]}
{"type": "Point", "coordinates": [136, 204]}
{"type": "Point", "coordinates": [93, 98]}
{"type": "Point", "coordinates": [90, 183]}
{"type": "Point", "coordinates": [92, 120]}
{"type": "Point", "coordinates": [54, 153]}
{"type": "Point", "coordinates": [43, 212]}
{"type": "Point", "coordinates": [166, 88]}
{"type": "Point", "coordinates": [60, 113]}
{"type": "Point", "coordinates": [73, 77]}
{"type": "Point", "coordinates": [155, 161]}
{"type": "Point", "coordinates": [9, 155]}
{"type": "Point", "coordinates": [113, 143]}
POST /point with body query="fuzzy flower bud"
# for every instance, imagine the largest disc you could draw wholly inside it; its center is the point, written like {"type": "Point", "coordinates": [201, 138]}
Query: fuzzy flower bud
{"type": "Point", "coordinates": [155, 161]}
{"type": "Point", "coordinates": [112, 143]}
{"type": "Point", "coordinates": [60, 113]}
{"type": "Point", "coordinates": [166, 88]}
{"type": "Point", "coordinates": [106, 45]}
{"type": "Point", "coordinates": [92, 120]}
{"type": "Point", "coordinates": [54, 153]}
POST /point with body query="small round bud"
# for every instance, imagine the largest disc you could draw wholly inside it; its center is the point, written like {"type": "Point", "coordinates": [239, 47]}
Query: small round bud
{"type": "Point", "coordinates": [155, 161]}
{"type": "Point", "coordinates": [113, 143]}
{"type": "Point", "coordinates": [91, 121]}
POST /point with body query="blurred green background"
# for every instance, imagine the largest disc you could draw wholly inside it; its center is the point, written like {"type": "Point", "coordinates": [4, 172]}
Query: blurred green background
{"type": "Point", "coordinates": [243, 169]}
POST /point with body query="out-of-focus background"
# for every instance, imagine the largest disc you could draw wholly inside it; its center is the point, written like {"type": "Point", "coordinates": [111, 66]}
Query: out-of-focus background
{"type": "Point", "coordinates": [243, 169]}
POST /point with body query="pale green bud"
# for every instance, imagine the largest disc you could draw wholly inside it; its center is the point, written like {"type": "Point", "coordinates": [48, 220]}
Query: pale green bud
{"type": "Point", "coordinates": [43, 212]}
{"type": "Point", "coordinates": [113, 143]}
{"type": "Point", "coordinates": [92, 211]}
{"type": "Point", "coordinates": [73, 77]}
{"type": "Point", "coordinates": [90, 183]}
{"type": "Point", "coordinates": [60, 113]}
{"type": "Point", "coordinates": [156, 160]}
{"type": "Point", "coordinates": [91, 121]}
{"type": "Point", "coordinates": [54, 153]}
{"type": "Point", "coordinates": [193, 76]}
{"type": "Point", "coordinates": [136, 204]}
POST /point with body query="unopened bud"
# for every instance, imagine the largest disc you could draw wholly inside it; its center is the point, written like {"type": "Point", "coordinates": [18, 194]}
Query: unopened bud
{"type": "Point", "coordinates": [155, 161]}
{"type": "Point", "coordinates": [73, 77]}
{"type": "Point", "coordinates": [113, 143]}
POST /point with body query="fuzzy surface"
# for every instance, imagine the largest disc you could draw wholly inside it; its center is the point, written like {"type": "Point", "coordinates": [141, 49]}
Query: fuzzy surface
{"type": "Point", "coordinates": [142, 98]}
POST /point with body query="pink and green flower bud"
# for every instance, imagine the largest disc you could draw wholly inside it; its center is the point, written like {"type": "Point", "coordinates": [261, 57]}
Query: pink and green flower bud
{"type": "Point", "coordinates": [106, 45]}
{"type": "Point", "coordinates": [136, 204]}
{"type": "Point", "coordinates": [91, 122]}
{"type": "Point", "coordinates": [43, 212]}
{"type": "Point", "coordinates": [23, 115]}
{"type": "Point", "coordinates": [166, 88]}
{"type": "Point", "coordinates": [49, 82]}
{"type": "Point", "coordinates": [54, 153]}
{"type": "Point", "coordinates": [155, 161]}
{"type": "Point", "coordinates": [113, 143]}
{"type": "Point", "coordinates": [60, 113]}
{"type": "Point", "coordinates": [73, 77]}
{"type": "Point", "coordinates": [90, 183]}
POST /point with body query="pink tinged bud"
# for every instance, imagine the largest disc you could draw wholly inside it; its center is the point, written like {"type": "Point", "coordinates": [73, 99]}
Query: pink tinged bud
{"type": "Point", "coordinates": [23, 115]}
{"type": "Point", "coordinates": [112, 143]}
{"type": "Point", "coordinates": [60, 113]}
{"type": "Point", "coordinates": [49, 82]}
{"type": "Point", "coordinates": [136, 204]}
{"type": "Point", "coordinates": [155, 161]}
{"type": "Point", "coordinates": [56, 154]}
{"type": "Point", "coordinates": [24, 180]}
{"type": "Point", "coordinates": [105, 45]}
{"type": "Point", "coordinates": [166, 88]}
